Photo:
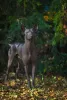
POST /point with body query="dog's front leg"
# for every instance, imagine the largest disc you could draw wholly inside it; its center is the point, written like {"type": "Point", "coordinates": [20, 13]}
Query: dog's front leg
{"type": "Point", "coordinates": [33, 74]}
{"type": "Point", "coordinates": [26, 72]}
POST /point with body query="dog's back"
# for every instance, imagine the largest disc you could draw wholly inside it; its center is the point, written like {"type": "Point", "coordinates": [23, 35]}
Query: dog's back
{"type": "Point", "coordinates": [15, 48]}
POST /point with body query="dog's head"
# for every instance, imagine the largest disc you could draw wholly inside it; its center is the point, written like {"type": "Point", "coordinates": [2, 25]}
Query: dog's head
{"type": "Point", "coordinates": [29, 32]}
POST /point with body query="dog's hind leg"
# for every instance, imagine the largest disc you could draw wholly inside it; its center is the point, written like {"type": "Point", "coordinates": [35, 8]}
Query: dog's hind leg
{"type": "Point", "coordinates": [10, 59]}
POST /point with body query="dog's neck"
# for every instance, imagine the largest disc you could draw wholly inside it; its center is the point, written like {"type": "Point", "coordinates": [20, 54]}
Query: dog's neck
{"type": "Point", "coordinates": [29, 44]}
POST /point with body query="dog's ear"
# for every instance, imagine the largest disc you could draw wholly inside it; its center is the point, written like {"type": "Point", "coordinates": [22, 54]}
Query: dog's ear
{"type": "Point", "coordinates": [22, 28]}
{"type": "Point", "coordinates": [35, 28]}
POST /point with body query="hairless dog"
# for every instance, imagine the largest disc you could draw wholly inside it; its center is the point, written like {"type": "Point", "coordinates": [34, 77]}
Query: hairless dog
{"type": "Point", "coordinates": [26, 52]}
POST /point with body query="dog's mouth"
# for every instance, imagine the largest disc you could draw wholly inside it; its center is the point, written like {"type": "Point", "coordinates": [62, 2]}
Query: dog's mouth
{"type": "Point", "coordinates": [29, 38]}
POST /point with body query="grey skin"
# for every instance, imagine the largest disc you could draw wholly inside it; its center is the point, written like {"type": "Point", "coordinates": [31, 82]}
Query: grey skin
{"type": "Point", "coordinates": [26, 52]}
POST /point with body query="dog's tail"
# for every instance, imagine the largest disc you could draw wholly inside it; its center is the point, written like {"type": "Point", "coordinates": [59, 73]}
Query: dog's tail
{"type": "Point", "coordinates": [10, 45]}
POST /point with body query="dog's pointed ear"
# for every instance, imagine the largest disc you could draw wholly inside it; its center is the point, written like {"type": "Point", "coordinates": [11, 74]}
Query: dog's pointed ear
{"type": "Point", "coordinates": [35, 28]}
{"type": "Point", "coordinates": [22, 28]}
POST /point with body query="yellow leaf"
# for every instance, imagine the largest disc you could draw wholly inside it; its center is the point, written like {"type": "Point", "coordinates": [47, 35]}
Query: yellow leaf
{"type": "Point", "coordinates": [59, 78]}
{"type": "Point", "coordinates": [1, 93]}
{"type": "Point", "coordinates": [45, 97]}
{"type": "Point", "coordinates": [35, 93]}
{"type": "Point", "coordinates": [15, 96]}
{"type": "Point", "coordinates": [12, 83]}
{"type": "Point", "coordinates": [46, 18]}
{"type": "Point", "coordinates": [52, 93]}
{"type": "Point", "coordinates": [32, 99]}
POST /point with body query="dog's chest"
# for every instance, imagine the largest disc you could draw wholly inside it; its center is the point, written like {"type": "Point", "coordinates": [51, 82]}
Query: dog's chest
{"type": "Point", "coordinates": [29, 55]}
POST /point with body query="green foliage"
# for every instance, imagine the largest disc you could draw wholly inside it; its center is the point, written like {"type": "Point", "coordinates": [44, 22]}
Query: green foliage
{"type": "Point", "coordinates": [15, 32]}
{"type": "Point", "coordinates": [28, 6]}
{"type": "Point", "coordinates": [13, 13]}
{"type": "Point", "coordinates": [59, 34]}
{"type": "Point", "coordinates": [57, 5]}
{"type": "Point", "coordinates": [58, 61]}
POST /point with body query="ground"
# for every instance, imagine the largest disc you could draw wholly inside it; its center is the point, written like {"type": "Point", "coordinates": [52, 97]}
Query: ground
{"type": "Point", "coordinates": [46, 88]}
